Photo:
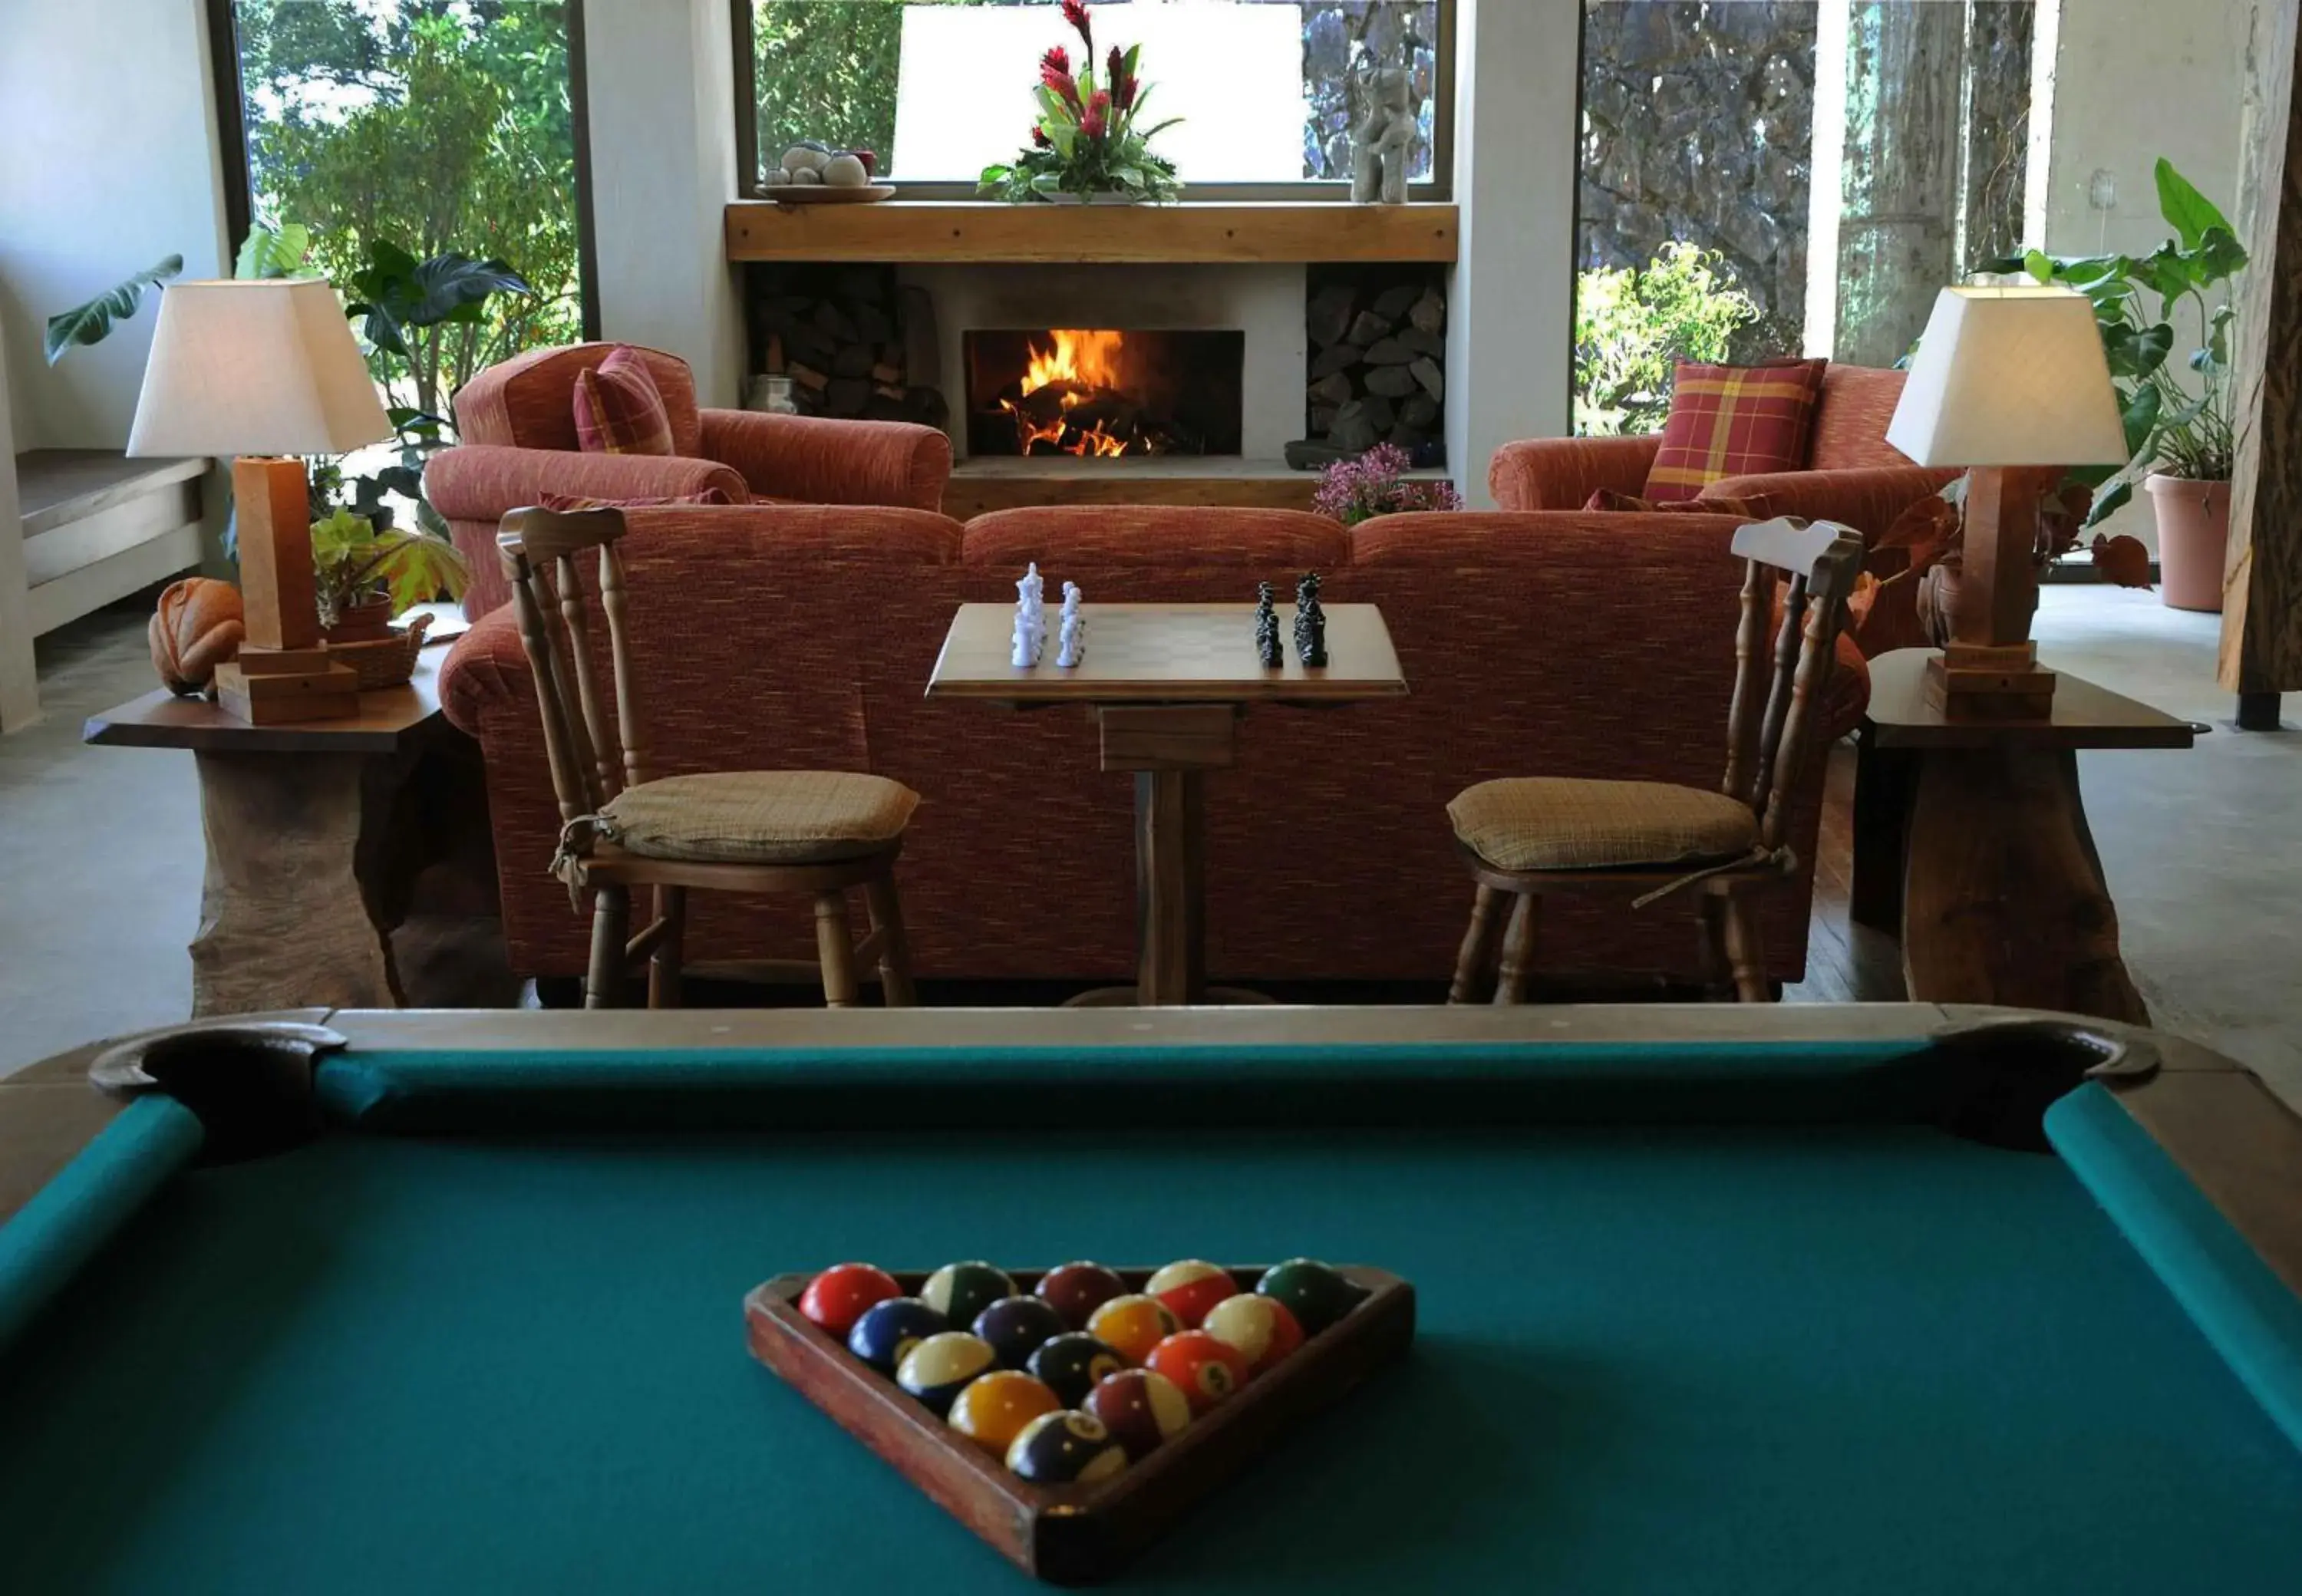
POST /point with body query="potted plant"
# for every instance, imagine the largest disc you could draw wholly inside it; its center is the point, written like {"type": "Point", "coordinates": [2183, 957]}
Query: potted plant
{"type": "Point", "coordinates": [1087, 143]}
{"type": "Point", "coordinates": [2181, 442]}
{"type": "Point", "coordinates": [368, 572]}
{"type": "Point", "coordinates": [1375, 484]}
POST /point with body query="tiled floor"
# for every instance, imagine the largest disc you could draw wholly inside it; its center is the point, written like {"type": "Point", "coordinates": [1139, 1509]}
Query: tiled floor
{"type": "Point", "coordinates": [100, 849]}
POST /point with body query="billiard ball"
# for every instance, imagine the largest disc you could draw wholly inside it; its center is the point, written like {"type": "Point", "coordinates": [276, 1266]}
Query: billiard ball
{"type": "Point", "coordinates": [1261, 1327]}
{"type": "Point", "coordinates": [1073, 1363]}
{"type": "Point", "coordinates": [1016, 1326]}
{"type": "Point", "coordinates": [888, 1330]}
{"type": "Point", "coordinates": [960, 1291]}
{"type": "Point", "coordinates": [938, 1368]}
{"type": "Point", "coordinates": [837, 1298]}
{"type": "Point", "coordinates": [1206, 1370]}
{"type": "Point", "coordinates": [992, 1410]}
{"type": "Point", "coordinates": [1065, 1449]}
{"type": "Point", "coordinates": [1141, 1408]}
{"type": "Point", "coordinates": [1190, 1288]}
{"type": "Point", "coordinates": [1133, 1324]}
{"type": "Point", "coordinates": [1075, 1290]}
{"type": "Point", "coordinates": [1316, 1294]}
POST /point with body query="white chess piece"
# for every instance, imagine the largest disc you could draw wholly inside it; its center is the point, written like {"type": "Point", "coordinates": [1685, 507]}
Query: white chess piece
{"type": "Point", "coordinates": [1070, 645]}
{"type": "Point", "coordinates": [1030, 639]}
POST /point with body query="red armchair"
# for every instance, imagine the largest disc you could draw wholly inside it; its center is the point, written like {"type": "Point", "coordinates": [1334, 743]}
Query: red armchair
{"type": "Point", "coordinates": [517, 426]}
{"type": "Point", "coordinates": [1854, 477]}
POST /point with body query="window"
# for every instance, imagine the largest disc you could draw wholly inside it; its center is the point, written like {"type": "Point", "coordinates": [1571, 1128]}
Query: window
{"type": "Point", "coordinates": [431, 125]}
{"type": "Point", "coordinates": [1773, 177]}
{"type": "Point", "coordinates": [939, 89]}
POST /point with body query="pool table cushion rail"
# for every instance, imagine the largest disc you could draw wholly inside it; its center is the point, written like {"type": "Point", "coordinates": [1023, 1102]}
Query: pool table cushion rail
{"type": "Point", "coordinates": [1069, 1535]}
{"type": "Point", "coordinates": [2250, 1315]}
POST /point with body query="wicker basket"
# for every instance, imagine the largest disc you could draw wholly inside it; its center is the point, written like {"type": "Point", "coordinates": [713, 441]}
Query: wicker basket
{"type": "Point", "coordinates": [387, 662]}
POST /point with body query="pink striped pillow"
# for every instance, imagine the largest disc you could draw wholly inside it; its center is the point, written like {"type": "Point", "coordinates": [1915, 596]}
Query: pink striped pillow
{"type": "Point", "coordinates": [618, 408]}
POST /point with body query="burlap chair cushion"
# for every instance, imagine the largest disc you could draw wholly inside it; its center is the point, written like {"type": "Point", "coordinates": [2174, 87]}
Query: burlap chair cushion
{"type": "Point", "coordinates": [766, 817]}
{"type": "Point", "coordinates": [1550, 823]}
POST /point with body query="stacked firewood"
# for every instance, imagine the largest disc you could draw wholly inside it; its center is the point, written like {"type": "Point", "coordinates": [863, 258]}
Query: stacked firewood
{"type": "Point", "coordinates": [848, 340]}
{"type": "Point", "coordinates": [1377, 371]}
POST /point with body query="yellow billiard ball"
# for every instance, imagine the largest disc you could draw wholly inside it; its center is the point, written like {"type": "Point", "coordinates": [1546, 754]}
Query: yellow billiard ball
{"type": "Point", "coordinates": [992, 1410]}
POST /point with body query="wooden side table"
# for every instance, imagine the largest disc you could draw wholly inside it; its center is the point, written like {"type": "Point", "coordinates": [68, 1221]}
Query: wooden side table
{"type": "Point", "coordinates": [316, 833]}
{"type": "Point", "coordinates": [1971, 844]}
{"type": "Point", "coordinates": [1166, 685]}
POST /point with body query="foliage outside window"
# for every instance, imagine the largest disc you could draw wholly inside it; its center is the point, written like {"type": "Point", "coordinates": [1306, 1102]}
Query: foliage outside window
{"type": "Point", "coordinates": [1631, 323]}
{"type": "Point", "coordinates": [397, 129]}
{"type": "Point", "coordinates": [837, 70]}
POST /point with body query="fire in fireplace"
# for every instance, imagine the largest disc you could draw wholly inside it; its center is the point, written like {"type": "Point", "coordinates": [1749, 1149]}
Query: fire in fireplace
{"type": "Point", "coordinates": [1102, 393]}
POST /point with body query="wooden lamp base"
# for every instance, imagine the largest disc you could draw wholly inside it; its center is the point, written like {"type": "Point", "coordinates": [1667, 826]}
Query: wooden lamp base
{"type": "Point", "coordinates": [1989, 671]}
{"type": "Point", "coordinates": [283, 672]}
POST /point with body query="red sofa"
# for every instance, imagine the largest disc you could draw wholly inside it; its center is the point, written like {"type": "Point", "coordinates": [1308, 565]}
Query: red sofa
{"type": "Point", "coordinates": [1854, 477]}
{"type": "Point", "coordinates": [803, 638]}
{"type": "Point", "coordinates": [516, 423]}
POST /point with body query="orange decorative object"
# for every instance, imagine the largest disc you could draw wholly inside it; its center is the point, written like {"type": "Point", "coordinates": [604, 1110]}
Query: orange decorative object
{"type": "Point", "coordinates": [198, 626]}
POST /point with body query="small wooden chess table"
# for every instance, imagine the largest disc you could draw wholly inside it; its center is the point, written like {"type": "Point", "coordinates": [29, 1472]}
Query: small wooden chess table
{"type": "Point", "coordinates": [1166, 685]}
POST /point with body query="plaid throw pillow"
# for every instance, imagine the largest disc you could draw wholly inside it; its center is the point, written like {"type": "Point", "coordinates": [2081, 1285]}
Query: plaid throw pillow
{"type": "Point", "coordinates": [618, 410]}
{"type": "Point", "coordinates": [1734, 421]}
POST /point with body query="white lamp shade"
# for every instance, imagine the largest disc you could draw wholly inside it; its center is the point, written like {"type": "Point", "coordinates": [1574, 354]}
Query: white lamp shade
{"type": "Point", "coordinates": [2010, 376]}
{"type": "Point", "coordinates": [255, 368]}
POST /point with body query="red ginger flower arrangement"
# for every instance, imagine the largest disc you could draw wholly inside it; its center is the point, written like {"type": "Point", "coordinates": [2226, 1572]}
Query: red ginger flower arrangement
{"type": "Point", "coordinates": [1087, 139]}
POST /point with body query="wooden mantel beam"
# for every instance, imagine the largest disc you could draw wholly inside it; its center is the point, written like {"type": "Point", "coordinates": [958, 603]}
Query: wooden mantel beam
{"type": "Point", "coordinates": [2262, 583]}
{"type": "Point", "coordinates": [902, 231]}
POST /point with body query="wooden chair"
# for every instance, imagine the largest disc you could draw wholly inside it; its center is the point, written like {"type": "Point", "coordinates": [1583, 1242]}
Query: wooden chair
{"type": "Point", "coordinates": [817, 832]}
{"type": "Point", "coordinates": [1526, 837]}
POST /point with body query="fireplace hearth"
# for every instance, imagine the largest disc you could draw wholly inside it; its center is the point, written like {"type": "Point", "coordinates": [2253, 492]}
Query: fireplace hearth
{"type": "Point", "coordinates": [1103, 393]}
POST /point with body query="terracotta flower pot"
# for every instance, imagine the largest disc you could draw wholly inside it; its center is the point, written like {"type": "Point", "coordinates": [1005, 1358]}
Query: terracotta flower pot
{"type": "Point", "coordinates": [367, 621]}
{"type": "Point", "coordinates": [2193, 534]}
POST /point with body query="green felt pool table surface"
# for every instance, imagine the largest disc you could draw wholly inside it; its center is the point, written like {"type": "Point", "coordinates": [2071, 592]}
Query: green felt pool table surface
{"type": "Point", "coordinates": [483, 1333]}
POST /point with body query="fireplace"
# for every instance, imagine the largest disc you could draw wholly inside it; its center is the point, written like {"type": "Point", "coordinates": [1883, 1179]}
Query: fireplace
{"type": "Point", "coordinates": [1103, 393]}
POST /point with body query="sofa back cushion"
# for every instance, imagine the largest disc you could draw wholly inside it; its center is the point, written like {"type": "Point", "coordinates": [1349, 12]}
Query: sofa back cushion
{"type": "Point", "coordinates": [529, 401]}
{"type": "Point", "coordinates": [1850, 422]}
{"type": "Point", "coordinates": [1100, 535]}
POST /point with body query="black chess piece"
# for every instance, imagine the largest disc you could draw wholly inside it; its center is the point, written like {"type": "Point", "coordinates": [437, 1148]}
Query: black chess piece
{"type": "Point", "coordinates": [1310, 622]}
{"type": "Point", "coordinates": [1266, 627]}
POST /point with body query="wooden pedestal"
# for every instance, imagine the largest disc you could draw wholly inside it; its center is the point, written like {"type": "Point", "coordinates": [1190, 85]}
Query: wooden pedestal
{"type": "Point", "coordinates": [282, 675]}
{"type": "Point", "coordinates": [1990, 669]}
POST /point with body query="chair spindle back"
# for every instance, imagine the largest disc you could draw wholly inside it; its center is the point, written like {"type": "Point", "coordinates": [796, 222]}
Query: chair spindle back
{"type": "Point", "coordinates": [1775, 689]}
{"type": "Point", "coordinates": [539, 548]}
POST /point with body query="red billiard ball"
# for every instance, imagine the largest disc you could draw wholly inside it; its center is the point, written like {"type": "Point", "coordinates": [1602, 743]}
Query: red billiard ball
{"type": "Point", "coordinates": [1208, 1370]}
{"type": "Point", "coordinates": [1140, 1409]}
{"type": "Point", "coordinates": [837, 1298]}
{"type": "Point", "coordinates": [1261, 1327]}
{"type": "Point", "coordinates": [1190, 1288]}
{"type": "Point", "coordinates": [1075, 1290]}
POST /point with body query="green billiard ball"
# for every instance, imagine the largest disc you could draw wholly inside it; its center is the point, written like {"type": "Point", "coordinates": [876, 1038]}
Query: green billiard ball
{"type": "Point", "coordinates": [960, 1291]}
{"type": "Point", "coordinates": [1316, 1295]}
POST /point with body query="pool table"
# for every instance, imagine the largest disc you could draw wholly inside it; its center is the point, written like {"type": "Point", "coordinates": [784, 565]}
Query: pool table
{"type": "Point", "coordinates": [1890, 1299]}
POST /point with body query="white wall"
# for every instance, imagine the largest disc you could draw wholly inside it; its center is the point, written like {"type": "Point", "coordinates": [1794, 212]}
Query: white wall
{"type": "Point", "coordinates": [2129, 87]}
{"type": "Point", "coordinates": [1510, 313]}
{"type": "Point", "coordinates": [663, 169]}
{"type": "Point", "coordinates": [107, 163]}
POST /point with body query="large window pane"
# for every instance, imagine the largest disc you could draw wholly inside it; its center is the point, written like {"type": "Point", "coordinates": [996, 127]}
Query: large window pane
{"type": "Point", "coordinates": [431, 125]}
{"type": "Point", "coordinates": [940, 89]}
{"type": "Point", "coordinates": [1773, 177]}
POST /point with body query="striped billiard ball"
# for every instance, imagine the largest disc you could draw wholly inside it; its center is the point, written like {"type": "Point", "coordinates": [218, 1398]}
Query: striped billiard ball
{"type": "Point", "coordinates": [1065, 1449]}
{"type": "Point", "coordinates": [940, 1367]}
{"type": "Point", "coordinates": [960, 1291]}
{"type": "Point", "coordinates": [1261, 1328]}
{"type": "Point", "coordinates": [1140, 1408]}
{"type": "Point", "coordinates": [1189, 1288]}
{"type": "Point", "coordinates": [1133, 1324]}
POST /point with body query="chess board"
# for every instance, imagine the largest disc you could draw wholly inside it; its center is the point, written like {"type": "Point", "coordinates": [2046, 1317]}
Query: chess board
{"type": "Point", "coordinates": [1168, 653]}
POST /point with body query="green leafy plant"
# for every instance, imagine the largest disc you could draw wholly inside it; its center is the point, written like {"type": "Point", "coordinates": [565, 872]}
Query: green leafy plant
{"type": "Point", "coordinates": [355, 559]}
{"type": "Point", "coordinates": [93, 321]}
{"type": "Point", "coordinates": [1631, 322]}
{"type": "Point", "coordinates": [2136, 301]}
{"type": "Point", "coordinates": [272, 252]}
{"type": "Point", "coordinates": [1088, 139]}
{"type": "Point", "coordinates": [401, 296]}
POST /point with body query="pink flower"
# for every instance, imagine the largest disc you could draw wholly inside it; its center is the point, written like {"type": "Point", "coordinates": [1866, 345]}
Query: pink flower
{"type": "Point", "coordinates": [1075, 15]}
{"type": "Point", "coordinates": [1099, 112]}
{"type": "Point", "coordinates": [1055, 72]}
{"type": "Point", "coordinates": [1058, 61]}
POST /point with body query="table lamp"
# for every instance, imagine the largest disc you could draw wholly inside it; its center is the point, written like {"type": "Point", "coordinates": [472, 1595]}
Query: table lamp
{"type": "Point", "coordinates": [262, 370]}
{"type": "Point", "coordinates": [2012, 383]}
